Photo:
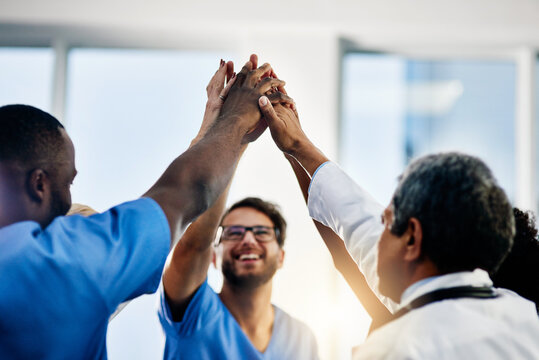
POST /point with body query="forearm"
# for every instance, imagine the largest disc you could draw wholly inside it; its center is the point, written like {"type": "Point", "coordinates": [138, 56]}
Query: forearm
{"type": "Point", "coordinates": [200, 234]}
{"type": "Point", "coordinates": [339, 203]}
{"type": "Point", "coordinates": [195, 179]}
{"type": "Point", "coordinates": [341, 258]}
{"type": "Point", "coordinates": [308, 155]}
{"type": "Point", "coordinates": [191, 258]}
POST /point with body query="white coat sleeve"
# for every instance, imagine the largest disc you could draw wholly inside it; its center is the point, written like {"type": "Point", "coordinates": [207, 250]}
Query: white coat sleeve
{"type": "Point", "coordinates": [338, 202]}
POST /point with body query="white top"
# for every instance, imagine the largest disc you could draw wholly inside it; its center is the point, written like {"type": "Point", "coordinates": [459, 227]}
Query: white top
{"type": "Point", "coordinates": [506, 327]}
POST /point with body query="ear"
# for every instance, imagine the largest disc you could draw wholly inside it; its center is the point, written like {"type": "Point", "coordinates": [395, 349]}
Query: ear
{"type": "Point", "coordinates": [214, 257]}
{"type": "Point", "coordinates": [281, 258]}
{"type": "Point", "coordinates": [38, 185]}
{"type": "Point", "coordinates": [414, 240]}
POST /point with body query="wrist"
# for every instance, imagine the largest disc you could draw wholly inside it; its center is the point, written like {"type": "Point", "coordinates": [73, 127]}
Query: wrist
{"type": "Point", "coordinates": [309, 156]}
{"type": "Point", "coordinates": [300, 148]}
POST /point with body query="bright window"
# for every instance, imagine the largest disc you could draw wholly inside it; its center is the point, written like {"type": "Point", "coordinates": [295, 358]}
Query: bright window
{"type": "Point", "coordinates": [130, 113]}
{"type": "Point", "coordinates": [26, 76]}
{"type": "Point", "coordinates": [395, 109]}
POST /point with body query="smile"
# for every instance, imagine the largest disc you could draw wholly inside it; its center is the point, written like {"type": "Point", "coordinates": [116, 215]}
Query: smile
{"type": "Point", "coordinates": [248, 257]}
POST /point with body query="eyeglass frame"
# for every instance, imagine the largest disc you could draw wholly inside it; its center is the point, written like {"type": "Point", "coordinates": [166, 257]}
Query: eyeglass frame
{"type": "Point", "coordinates": [219, 235]}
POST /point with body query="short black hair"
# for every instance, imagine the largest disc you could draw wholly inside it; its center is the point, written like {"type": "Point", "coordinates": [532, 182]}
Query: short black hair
{"type": "Point", "coordinates": [29, 136]}
{"type": "Point", "coordinates": [466, 217]}
{"type": "Point", "coordinates": [271, 210]}
{"type": "Point", "coordinates": [520, 270]}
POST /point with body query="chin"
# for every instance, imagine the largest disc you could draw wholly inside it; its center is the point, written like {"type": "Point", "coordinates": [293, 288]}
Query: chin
{"type": "Point", "coordinates": [247, 280]}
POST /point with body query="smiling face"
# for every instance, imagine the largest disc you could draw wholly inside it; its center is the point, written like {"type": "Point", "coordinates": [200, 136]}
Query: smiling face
{"type": "Point", "coordinates": [248, 262]}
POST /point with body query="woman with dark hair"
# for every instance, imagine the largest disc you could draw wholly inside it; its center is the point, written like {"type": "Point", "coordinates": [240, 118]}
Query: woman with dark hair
{"type": "Point", "coordinates": [520, 269]}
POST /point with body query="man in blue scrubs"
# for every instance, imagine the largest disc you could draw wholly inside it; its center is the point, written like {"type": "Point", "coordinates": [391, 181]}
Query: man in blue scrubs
{"type": "Point", "coordinates": [240, 322]}
{"type": "Point", "coordinates": [61, 277]}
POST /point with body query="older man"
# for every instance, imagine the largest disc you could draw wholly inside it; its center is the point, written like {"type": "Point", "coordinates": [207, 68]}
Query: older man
{"type": "Point", "coordinates": [447, 226]}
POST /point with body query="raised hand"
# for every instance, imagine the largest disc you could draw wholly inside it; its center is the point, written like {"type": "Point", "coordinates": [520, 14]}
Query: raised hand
{"type": "Point", "coordinates": [284, 125]}
{"type": "Point", "coordinates": [242, 100]}
{"type": "Point", "coordinates": [283, 121]}
{"type": "Point", "coordinates": [217, 93]}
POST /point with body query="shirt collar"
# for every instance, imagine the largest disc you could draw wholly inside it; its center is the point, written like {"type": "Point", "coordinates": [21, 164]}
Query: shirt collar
{"type": "Point", "coordinates": [477, 277]}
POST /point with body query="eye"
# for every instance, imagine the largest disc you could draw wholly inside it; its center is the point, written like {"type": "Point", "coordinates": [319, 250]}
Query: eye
{"type": "Point", "coordinates": [234, 231]}
{"type": "Point", "coordinates": [261, 231]}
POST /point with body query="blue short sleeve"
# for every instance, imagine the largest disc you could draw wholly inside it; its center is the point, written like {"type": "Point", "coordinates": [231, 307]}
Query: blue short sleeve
{"type": "Point", "coordinates": [122, 251]}
{"type": "Point", "coordinates": [59, 285]}
{"type": "Point", "coordinates": [203, 308]}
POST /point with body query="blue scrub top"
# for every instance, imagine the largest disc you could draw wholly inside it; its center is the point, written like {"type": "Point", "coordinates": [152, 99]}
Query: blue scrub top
{"type": "Point", "coordinates": [208, 331]}
{"type": "Point", "coordinates": [59, 285]}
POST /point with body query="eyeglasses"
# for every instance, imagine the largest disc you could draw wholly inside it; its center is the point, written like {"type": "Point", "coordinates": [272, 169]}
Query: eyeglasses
{"type": "Point", "coordinates": [237, 232]}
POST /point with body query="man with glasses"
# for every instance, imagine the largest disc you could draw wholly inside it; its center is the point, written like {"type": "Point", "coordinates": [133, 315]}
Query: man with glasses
{"type": "Point", "coordinates": [240, 322]}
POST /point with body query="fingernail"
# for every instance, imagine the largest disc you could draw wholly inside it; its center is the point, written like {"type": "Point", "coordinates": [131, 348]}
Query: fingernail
{"type": "Point", "coordinates": [233, 75]}
{"type": "Point", "coordinates": [221, 63]}
{"type": "Point", "coordinates": [263, 100]}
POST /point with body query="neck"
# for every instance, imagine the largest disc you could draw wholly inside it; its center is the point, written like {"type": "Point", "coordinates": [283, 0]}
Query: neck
{"type": "Point", "coordinates": [252, 309]}
{"type": "Point", "coordinates": [14, 204]}
{"type": "Point", "coordinates": [425, 270]}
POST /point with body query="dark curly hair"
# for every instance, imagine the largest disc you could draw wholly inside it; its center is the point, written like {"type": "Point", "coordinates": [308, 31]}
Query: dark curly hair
{"type": "Point", "coordinates": [271, 210]}
{"type": "Point", "coordinates": [520, 270]}
{"type": "Point", "coordinates": [29, 136]}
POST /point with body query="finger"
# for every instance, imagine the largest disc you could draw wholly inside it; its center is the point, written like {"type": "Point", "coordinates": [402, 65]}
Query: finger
{"type": "Point", "coordinates": [224, 92]}
{"type": "Point", "coordinates": [217, 81]}
{"type": "Point", "coordinates": [229, 70]}
{"type": "Point", "coordinates": [280, 98]}
{"type": "Point", "coordinates": [280, 88]}
{"type": "Point", "coordinates": [269, 83]}
{"type": "Point", "coordinates": [268, 112]}
{"type": "Point", "coordinates": [255, 75]}
{"type": "Point", "coordinates": [254, 60]}
{"type": "Point", "coordinates": [246, 69]}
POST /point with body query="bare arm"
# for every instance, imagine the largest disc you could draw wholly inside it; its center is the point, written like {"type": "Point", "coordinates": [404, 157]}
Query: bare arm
{"type": "Point", "coordinates": [191, 257]}
{"type": "Point", "coordinates": [195, 179]}
{"type": "Point", "coordinates": [342, 259]}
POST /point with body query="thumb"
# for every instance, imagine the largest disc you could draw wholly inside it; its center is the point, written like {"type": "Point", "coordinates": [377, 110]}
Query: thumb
{"type": "Point", "coordinates": [268, 112]}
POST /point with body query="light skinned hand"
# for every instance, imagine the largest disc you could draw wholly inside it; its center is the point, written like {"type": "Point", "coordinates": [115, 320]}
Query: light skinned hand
{"type": "Point", "coordinates": [80, 209]}
{"type": "Point", "coordinates": [216, 92]}
{"type": "Point", "coordinates": [283, 121]}
{"type": "Point", "coordinates": [286, 131]}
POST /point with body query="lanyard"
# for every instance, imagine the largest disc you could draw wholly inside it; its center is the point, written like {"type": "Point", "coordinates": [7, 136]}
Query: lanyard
{"type": "Point", "coordinates": [458, 292]}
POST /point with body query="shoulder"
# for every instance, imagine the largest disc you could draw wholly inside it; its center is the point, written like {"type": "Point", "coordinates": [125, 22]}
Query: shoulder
{"type": "Point", "coordinates": [204, 309]}
{"type": "Point", "coordinates": [296, 334]}
{"type": "Point", "coordinates": [452, 327]}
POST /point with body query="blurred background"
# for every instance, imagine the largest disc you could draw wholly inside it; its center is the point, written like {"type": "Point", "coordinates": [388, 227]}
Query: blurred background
{"type": "Point", "coordinates": [377, 83]}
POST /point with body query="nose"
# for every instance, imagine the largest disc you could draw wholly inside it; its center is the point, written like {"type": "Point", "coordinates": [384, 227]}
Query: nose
{"type": "Point", "coordinates": [249, 236]}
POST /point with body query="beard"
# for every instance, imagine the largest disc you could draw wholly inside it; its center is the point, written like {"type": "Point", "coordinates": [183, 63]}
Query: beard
{"type": "Point", "coordinates": [59, 206]}
{"type": "Point", "coordinates": [248, 281]}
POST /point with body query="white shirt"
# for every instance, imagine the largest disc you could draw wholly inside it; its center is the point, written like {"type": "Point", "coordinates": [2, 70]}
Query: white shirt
{"type": "Point", "coordinates": [506, 327]}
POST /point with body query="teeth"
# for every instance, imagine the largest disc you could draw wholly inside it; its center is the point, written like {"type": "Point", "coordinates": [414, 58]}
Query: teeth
{"type": "Point", "coordinates": [249, 257]}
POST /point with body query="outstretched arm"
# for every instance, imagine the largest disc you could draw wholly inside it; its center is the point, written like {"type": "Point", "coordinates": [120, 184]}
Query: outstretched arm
{"type": "Point", "coordinates": [335, 200]}
{"type": "Point", "coordinates": [195, 179]}
{"type": "Point", "coordinates": [342, 259]}
{"type": "Point", "coordinates": [191, 257]}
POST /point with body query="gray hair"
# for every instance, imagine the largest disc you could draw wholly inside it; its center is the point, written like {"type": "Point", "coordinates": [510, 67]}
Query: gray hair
{"type": "Point", "coordinates": [466, 217]}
